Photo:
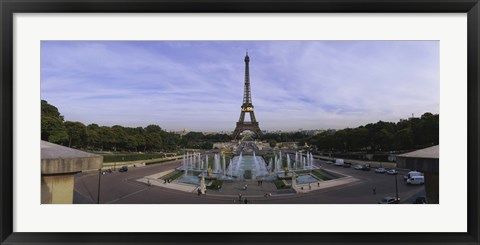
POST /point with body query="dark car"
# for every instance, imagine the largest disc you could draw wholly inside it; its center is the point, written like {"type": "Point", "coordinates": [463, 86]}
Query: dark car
{"type": "Point", "coordinates": [366, 168]}
{"type": "Point", "coordinates": [389, 200]}
{"type": "Point", "coordinates": [123, 169]}
{"type": "Point", "coordinates": [420, 200]}
{"type": "Point", "coordinates": [347, 165]}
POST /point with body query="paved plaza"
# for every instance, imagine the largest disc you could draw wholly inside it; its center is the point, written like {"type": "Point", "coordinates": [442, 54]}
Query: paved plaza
{"type": "Point", "coordinates": [125, 187]}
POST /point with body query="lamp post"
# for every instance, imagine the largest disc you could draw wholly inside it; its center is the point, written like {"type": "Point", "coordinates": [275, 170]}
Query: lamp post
{"type": "Point", "coordinates": [396, 186]}
{"type": "Point", "coordinates": [98, 191]}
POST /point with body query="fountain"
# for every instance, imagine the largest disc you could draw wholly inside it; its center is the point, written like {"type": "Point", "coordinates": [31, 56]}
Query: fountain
{"type": "Point", "coordinates": [195, 165]}
{"type": "Point", "coordinates": [288, 161]}
{"type": "Point", "coordinates": [224, 163]}
{"type": "Point", "coordinates": [249, 167]}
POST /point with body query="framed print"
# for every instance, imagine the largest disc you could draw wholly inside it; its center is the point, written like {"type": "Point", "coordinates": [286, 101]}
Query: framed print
{"type": "Point", "coordinates": [259, 122]}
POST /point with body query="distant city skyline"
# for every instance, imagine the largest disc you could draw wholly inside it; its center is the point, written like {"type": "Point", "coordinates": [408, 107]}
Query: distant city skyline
{"type": "Point", "coordinates": [198, 85]}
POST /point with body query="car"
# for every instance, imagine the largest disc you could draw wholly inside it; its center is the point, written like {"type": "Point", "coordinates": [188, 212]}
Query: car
{"type": "Point", "coordinates": [416, 180]}
{"type": "Point", "coordinates": [392, 171]}
{"type": "Point", "coordinates": [420, 200]}
{"type": "Point", "coordinates": [389, 200]}
{"type": "Point", "coordinates": [339, 162]}
{"type": "Point", "coordinates": [380, 170]}
{"type": "Point", "coordinates": [366, 168]}
{"type": "Point", "coordinates": [411, 174]}
{"type": "Point", "coordinates": [358, 167]}
{"type": "Point", "coordinates": [123, 169]}
{"type": "Point", "coordinates": [347, 165]}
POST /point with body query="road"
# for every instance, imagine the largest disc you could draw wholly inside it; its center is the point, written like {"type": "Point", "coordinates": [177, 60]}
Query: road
{"type": "Point", "coordinates": [122, 188]}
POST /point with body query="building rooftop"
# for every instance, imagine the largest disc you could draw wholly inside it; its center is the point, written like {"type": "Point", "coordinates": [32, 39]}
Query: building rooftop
{"type": "Point", "coordinates": [53, 151]}
{"type": "Point", "coordinates": [57, 159]}
{"type": "Point", "coordinates": [430, 152]}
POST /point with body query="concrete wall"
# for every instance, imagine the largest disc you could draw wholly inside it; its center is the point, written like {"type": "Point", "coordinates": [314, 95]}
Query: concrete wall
{"type": "Point", "coordinates": [430, 168]}
{"type": "Point", "coordinates": [419, 164]}
{"type": "Point", "coordinates": [70, 165]}
{"type": "Point", "coordinates": [57, 189]}
{"type": "Point", "coordinates": [431, 187]}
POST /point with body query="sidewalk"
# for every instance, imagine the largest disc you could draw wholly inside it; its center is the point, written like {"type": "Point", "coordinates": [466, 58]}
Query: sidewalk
{"type": "Point", "coordinates": [171, 185]}
{"type": "Point", "coordinates": [324, 184]}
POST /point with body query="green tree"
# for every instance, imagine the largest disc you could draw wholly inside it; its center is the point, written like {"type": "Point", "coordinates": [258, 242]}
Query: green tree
{"type": "Point", "coordinates": [106, 138]}
{"type": "Point", "coordinates": [76, 132]}
{"type": "Point", "coordinates": [153, 137]}
{"type": "Point", "coordinates": [52, 124]}
{"type": "Point", "coordinates": [119, 138]}
{"type": "Point", "coordinates": [93, 136]}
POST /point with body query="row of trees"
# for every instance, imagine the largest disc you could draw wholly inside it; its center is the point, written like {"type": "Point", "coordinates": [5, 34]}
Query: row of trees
{"type": "Point", "coordinates": [412, 133]}
{"type": "Point", "coordinates": [274, 138]}
{"type": "Point", "coordinates": [118, 138]}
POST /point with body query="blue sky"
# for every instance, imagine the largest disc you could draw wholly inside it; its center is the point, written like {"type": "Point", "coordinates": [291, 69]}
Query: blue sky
{"type": "Point", "coordinates": [198, 85]}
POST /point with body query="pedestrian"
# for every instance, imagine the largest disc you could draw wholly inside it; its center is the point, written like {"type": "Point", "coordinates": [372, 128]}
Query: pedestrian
{"type": "Point", "coordinates": [164, 181]}
{"type": "Point", "coordinates": [309, 186]}
{"type": "Point", "coordinates": [245, 201]}
{"type": "Point", "coordinates": [318, 183]}
{"type": "Point", "coordinates": [199, 191]}
{"type": "Point", "coordinates": [240, 197]}
{"type": "Point", "coordinates": [374, 190]}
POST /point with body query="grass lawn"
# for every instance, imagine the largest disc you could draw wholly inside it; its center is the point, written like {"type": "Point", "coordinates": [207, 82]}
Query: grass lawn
{"type": "Point", "coordinates": [280, 184]}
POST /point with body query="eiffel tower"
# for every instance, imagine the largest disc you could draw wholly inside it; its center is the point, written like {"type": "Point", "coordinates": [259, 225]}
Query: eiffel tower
{"type": "Point", "coordinates": [247, 107]}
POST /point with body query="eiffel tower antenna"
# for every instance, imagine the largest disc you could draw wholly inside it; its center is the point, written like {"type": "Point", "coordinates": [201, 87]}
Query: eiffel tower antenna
{"type": "Point", "coordinates": [247, 107]}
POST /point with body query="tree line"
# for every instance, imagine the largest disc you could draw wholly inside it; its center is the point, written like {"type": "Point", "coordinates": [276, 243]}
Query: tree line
{"type": "Point", "coordinates": [412, 133]}
{"type": "Point", "coordinates": [118, 138]}
{"type": "Point", "coordinates": [407, 134]}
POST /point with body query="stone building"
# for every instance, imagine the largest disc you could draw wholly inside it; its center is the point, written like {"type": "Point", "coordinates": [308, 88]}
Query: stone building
{"type": "Point", "coordinates": [426, 161]}
{"type": "Point", "coordinates": [59, 164]}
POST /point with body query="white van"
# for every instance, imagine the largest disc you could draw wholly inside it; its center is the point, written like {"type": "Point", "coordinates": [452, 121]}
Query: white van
{"type": "Point", "coordinates": [416, 180]}
{"type": "Point", "coordinates": [411, 174]}
{"type": "Point", "coordinates": [339, 162]}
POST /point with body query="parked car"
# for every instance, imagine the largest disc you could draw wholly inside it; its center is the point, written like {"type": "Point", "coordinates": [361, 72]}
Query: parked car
{"type": "Point", "coordinates": [392, 171]}
{"type": "Point", "coordinates": [420, 200]}
{"type": "Point", "coordinates": [380, 170]}
{"type": "Point", "coordinates": [416, 180]}
{"type": "Point", "coordinates": [411, 174]}
{"type": "Point", "coordinates": [389, 200]}
{"type": "Point", "coordinates": [339, 162]}
{"type": "Point", "coordinates": [358, 167]}
{"type": "Point", "coordinates": [123, 169]}
{"type": "Point", "coordinates": [366, 167]}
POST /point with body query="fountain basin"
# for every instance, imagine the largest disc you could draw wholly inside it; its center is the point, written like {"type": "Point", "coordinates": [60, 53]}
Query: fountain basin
{"type": "Point", "coordinates": [305, 179]}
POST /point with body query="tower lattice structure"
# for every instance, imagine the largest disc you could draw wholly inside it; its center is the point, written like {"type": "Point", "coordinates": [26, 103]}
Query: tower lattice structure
{"type": "Point", "coordinates": [247, 107]}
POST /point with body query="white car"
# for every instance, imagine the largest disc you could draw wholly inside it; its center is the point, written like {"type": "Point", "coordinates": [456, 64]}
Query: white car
{"type": "Point", "coordinates": [411, 174]}
{"type": "Point", "coordinates": [392, 171]}
{"type": "Point", "coordinates": [416, 180]}
{"type": "Point", "coordinates": [358, 167]}
{"type": "Point", "coordinates": [380, 170]}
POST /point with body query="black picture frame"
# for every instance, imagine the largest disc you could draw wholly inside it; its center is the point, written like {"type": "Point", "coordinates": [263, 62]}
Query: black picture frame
{"type": "Point", "coordinates": [10, 7]}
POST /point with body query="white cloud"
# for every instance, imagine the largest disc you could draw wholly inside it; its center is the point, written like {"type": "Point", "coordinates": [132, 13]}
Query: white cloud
{"type": "Point", "coordinates": [199, 85]}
